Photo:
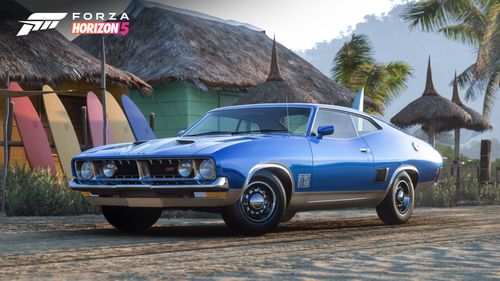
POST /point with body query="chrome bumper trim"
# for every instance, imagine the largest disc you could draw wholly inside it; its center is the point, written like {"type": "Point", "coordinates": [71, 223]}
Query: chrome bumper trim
{"type": "Point", "coordinates": [223, 199]}
{"type": "Point", "coordinates": [220, 184]}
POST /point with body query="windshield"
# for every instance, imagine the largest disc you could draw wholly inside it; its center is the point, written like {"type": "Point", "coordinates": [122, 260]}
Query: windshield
{"type": "Point", "coordinates": [257, 120]}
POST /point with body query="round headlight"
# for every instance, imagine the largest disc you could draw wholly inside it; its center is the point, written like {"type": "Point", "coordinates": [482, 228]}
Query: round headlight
{"type": "Point", "coordinates": [109, 169]}
{"type": "Point", "coordinates": [207, 169]}
{"type": "Point", "coordinates": [87, 170]}
{"type": "Point", "coordinates": [185, 168]}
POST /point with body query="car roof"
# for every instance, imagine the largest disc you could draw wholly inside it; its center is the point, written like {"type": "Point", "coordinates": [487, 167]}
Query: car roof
{"type": "Point", "coordinates": [310, 105]}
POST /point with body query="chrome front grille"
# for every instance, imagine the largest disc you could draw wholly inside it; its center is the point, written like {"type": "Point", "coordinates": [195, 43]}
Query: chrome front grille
{"type": "Point", "coordinates": [143, 171]}
{"type": "Point", "coordinates": [163, 168]}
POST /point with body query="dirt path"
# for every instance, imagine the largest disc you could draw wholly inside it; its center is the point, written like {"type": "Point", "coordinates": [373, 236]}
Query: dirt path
{"type": "Point", "coordinates": [444, 244]}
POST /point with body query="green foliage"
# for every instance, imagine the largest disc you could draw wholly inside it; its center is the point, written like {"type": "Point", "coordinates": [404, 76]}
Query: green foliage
{"type": "Point", "coordinates": [354, 67]}
{"type": "Point", "coordinates": [472, 22]}
{"type": "Point", "coordinates": [444, 194]}
{"type": "Point", "coordinates": [39, 193]}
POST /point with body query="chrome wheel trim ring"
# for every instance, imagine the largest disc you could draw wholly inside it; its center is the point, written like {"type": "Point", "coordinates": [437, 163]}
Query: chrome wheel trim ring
{"type": "Point", "coordinates": [402, 197]}
{"type": "Point", "coordinates": [258, 202]}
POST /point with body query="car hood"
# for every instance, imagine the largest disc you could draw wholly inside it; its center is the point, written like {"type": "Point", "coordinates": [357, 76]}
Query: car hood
{"type": "Point", "coordinates": [170, 147]}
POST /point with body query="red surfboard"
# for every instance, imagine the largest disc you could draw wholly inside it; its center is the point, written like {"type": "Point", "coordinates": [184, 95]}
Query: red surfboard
{"type": "Point", "coordinates": [35, 141]}
{"type": "Point", "coordinates": [96, 123]}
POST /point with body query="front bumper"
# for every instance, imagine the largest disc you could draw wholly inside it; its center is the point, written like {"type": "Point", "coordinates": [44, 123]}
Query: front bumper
{"type": "Point", "coordinates": [213, 194]}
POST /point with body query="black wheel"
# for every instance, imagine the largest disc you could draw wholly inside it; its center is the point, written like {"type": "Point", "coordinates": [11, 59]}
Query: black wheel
{"type": "Point", "coordinates": [397, 206]}
{"type": "Point", "coordinates": [259, 208]}
{"type": "Point", "coordinates": [131, 219]}
{"type": "Point", "coordinates": [287, 216]}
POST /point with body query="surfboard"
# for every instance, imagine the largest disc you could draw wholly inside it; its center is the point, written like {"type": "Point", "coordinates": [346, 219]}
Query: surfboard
{"type": "Point", "coordinates": [62, 130]}
{"type": "Point", "coordinates": [96, 123]}
{"type": "Point", "coordinates": [35, 141]}
{"type": "Point", "coordinates": [118, 121]}
{"type": "Point", "coordinates": [138, 123]}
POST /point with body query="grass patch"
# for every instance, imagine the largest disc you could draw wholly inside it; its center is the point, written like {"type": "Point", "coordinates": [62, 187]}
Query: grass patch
{"type": "Point", "coordinates": [39, 193]}
{"type": "Point", "coordinates": [444, 194]}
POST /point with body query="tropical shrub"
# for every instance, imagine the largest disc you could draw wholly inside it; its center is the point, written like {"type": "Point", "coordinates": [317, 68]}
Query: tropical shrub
{"type": "Point", "coordinates": [39, 193]}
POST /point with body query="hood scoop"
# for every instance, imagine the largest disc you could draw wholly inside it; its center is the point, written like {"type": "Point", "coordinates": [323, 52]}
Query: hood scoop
{"type": "Point", "coordinates": [185, 141]}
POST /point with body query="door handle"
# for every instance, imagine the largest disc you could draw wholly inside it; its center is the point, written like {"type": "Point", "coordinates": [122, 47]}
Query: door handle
{"type": "Point", "coordinates": [363, 149]}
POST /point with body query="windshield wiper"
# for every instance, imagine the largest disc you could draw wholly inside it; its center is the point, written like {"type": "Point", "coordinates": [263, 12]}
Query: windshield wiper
{"type": "Point", "coordinates": [263, 131]}
{"type": "Point", "coordinates": [211, 133]}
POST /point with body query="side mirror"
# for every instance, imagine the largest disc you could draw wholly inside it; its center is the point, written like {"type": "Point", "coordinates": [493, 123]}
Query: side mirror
{"type": "Point", "coordinates": [181, 132]}
{"type": "Point", "coordinates": [325, 131]}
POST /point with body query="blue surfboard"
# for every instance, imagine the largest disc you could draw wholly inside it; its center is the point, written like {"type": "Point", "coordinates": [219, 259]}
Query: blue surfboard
{"type": "Point", "coordinates": [137, 122]}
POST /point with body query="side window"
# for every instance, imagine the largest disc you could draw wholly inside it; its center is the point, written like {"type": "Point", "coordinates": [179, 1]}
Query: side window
{"type": "Point", "coordinates": [363, 125]}
{"type": "Point", "coordinates": [344, 128]}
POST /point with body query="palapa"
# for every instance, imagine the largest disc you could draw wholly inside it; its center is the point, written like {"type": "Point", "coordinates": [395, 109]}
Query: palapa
{"type": "Point", "coordinates": [431, 109]}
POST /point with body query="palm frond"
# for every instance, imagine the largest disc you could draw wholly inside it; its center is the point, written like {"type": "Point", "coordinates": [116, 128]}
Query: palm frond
{"type": "Point", "coordinates": [490, 94]}
{"type": "Point", "coordinates": [354, 53]}
{"type": "Point", "coordinates": [462, 33]}
{"type": "Point", "coordinates": [432, 15]}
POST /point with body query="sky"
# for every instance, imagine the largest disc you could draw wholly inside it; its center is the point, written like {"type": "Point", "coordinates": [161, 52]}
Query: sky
{"type": "Point", "coordinates": [297, 24]}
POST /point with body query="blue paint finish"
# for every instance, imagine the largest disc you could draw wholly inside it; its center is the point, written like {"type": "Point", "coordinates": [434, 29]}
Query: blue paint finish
{"type": "Point", "coordinates": [334, 164]}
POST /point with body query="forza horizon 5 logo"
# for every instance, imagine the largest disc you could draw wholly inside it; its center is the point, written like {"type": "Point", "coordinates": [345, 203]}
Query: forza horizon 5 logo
{"type": "Point", "coordinates": [86, 23]}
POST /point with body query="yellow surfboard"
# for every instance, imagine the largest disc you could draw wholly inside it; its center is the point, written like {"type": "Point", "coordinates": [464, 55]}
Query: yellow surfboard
{"type": "Point", "coordinates": [62, 130]}
{"type": "Point", "coordinates": [118, 121]}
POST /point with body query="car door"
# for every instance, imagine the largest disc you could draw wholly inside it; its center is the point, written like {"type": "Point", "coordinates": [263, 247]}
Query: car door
{"type": "Point", "coordinates": [342, 162]}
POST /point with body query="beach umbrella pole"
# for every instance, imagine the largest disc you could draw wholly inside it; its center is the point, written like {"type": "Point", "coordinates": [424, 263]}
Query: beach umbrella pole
{"type": "Point", "coordinates": [103, 93]}
{"type": "Point", "coordinates": [5, 148]}
{"type": "Point", "coordinates": [432, 134]}
{"type": "Point", "coordinates": [458, 163]}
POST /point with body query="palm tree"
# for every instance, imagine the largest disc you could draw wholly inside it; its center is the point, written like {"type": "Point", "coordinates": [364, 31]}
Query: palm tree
{"type": "Point", "coordinates": [354, 67]}
{"type": "Point", "coordinates": [475, 23]}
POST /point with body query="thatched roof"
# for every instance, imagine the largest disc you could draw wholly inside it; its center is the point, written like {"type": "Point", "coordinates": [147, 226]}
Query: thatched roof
{"type": "Point", "coordinates": [431, 108]}
{"type": "Point", "coordinates": [477, 122]}
{"type": "Point", "coordinates": [276, 89]}
{"type": "Point", "coordinates": [47, 56]}
{"type": "Point", "coordinates": [166, 44]}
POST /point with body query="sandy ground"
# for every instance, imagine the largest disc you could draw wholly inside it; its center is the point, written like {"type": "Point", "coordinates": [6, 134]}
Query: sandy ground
{"type": "Point", "coordinates": [441, 244]}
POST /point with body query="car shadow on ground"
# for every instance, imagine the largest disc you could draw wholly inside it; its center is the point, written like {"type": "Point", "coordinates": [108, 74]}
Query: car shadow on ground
{"type": "Point", "coordinates": [220, 230]}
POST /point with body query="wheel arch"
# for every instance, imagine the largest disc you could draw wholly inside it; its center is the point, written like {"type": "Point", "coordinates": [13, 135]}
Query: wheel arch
{"type": "Point", "coordinates": [280, 171]}
{"type": "Point", "coordinates": [411, 170]}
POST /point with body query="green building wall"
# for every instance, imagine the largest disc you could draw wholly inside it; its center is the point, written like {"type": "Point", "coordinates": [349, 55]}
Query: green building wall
{"type": "Point", "coordinates": [177, 105]}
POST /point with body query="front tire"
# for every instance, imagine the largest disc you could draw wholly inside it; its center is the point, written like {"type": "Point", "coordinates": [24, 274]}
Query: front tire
{"type": "Point", "coordinates": [287, 216]}
{"type": "Point", "coordinates": [131, 219]}
{"type": "Point", "coordinates": [397, 206]}
{"type": "Point", "coordinates": [259, 208]}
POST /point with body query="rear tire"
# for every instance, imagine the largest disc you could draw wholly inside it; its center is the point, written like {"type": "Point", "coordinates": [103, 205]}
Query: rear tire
{"type": "Point", "coordinates": [131, 219]}
{"type": "Point", "coordinates": [397, 206]}
{"type": "Point", "coordinates": [259, 208]}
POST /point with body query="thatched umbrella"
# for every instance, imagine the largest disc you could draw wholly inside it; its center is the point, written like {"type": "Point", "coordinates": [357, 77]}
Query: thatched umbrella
{"type": "Point", "coordinates": [477, 123]}
{"type": "Point", "coordinates": [168, 44]}
{"type": "Point", "coordinates": [275, 89]}
{"type": "Point", "coordinates": [47, 57]}
{"type": "Point", "coordinates": [431, 109]}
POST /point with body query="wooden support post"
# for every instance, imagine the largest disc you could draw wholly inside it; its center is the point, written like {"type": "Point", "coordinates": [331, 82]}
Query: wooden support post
{"type": "Point", "coordinates": [103, 93]}
{"type": "Point", "coordinates": [5, 148]}
{"type": "Point", "coordinates": [152, 121]}
{"type": "Point", "coordinates": [9, 128]}
{"type": "Point", "coordinates": [485, 162]}
{"type": "Point", "coordinates": [498, 174]}
{"type": "Point", "coordinates": [85, 136]}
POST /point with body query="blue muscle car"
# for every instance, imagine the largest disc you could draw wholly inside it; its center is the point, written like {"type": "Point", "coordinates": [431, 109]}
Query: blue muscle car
{"type": "Point", "coordinates": [260, 164]}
